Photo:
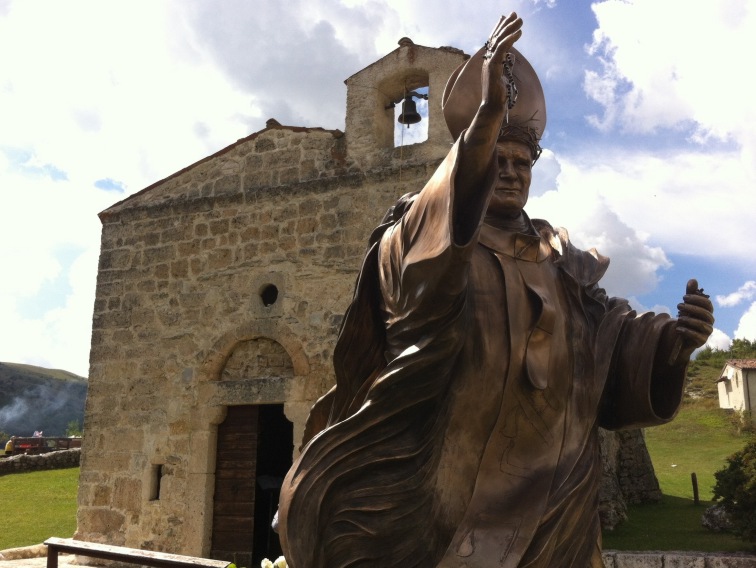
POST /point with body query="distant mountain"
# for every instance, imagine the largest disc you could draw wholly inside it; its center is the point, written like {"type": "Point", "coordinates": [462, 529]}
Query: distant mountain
{"type": "Point", "coordinates": [34, 398]}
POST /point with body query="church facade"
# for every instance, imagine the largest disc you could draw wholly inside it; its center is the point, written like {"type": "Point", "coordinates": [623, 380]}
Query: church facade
{"type": "Point", "coordinates": [220, 293]}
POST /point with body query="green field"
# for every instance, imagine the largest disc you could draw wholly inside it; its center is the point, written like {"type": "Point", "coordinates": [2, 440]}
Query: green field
{"type": "Point", "coordinates": [37, 505]}
{"type": "Point", "coordinates": [697, 441]}
{"type": "Point", "coordinates": [672, 524]}
{"type": "Point", "coordinates": [41, 504]}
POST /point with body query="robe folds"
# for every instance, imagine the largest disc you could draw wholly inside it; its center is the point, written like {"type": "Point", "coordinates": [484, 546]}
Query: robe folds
{"type": "Point", "coordinates": [471, 381]}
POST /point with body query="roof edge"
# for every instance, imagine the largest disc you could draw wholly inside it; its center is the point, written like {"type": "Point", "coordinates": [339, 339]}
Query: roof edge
{"type": "Point", "coordinates": [741, 363]}
{"type": "Point", "coordinates": [271, 124]}
{"type": "Point", "coordinates": [410, 45]}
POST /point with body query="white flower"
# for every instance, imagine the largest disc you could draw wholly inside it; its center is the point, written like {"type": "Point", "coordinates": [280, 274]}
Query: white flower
{"type": "Point", "coordinates": [266, 563]}
{"type": "Point", "coordinates": [280, 563]}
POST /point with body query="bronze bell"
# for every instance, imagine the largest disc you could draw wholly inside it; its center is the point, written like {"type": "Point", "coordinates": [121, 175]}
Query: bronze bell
{"type": "Point", "coordinates": [409, 114]}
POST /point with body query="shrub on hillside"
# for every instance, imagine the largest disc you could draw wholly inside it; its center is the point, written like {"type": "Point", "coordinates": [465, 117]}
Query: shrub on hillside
{"type": "Point", "coordinates": [742, 422]}
{"type": "Point", "coordinates": [735, 489]}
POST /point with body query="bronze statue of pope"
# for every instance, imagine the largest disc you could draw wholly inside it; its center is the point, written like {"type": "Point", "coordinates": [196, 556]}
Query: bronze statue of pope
{"type": "Point", "coordinates": [476, 363]}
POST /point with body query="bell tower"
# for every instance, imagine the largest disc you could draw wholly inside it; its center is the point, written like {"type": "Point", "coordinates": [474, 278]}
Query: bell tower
{"type": "Point", "coordinates": [371, 92]}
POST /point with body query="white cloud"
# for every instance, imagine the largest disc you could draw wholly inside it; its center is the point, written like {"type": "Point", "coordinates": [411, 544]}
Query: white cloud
{"type": "Point", "coordinates": [450, 22]}
{"type": "Point", "coordinates": [46, 301]}
{"type": "Point", "coordinates": [92, 95]}
{"type": "Point", "coordinates": [658, 73]}
{"type": "Point", "coordinates": [292, 57]}
{"type": "Point", "coordinates": [89, 96]}
{"type": "Point", "coordinates": [747, 326]}
{"type": "Point", "coordinates": [669, 63]}
{"type": "Point", "coordinates": [639, 307]}
{"type": "Point", "coordinates": [718, 340]}
{"type": "Point", "coordinates": [58, 337]}
{"type": "Point", "coordinates": [638, 208]}
{"type": "Point", "coordinates": [545, 174]}
{"type": "Point", "coordinates": [746, 292]}
{"type": "Point", "coordinates": [677, 201]}
{"type": "Point", "coordinates": [579, 206]}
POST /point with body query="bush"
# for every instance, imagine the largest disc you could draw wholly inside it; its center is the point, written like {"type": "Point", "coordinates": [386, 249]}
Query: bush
{"type": "Point", "coordinates": [742, 422]}
{"type": "Point", "coordinates": [735, 489]}
{"type": "Point", "coordinates": [73, 429]}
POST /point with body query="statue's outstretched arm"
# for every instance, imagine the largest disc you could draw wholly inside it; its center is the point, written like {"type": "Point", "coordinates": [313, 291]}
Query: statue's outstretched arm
{"type": "Point", "coordinates": [479, 140]}
{"type": "Point", "coordinates": [650, 360]}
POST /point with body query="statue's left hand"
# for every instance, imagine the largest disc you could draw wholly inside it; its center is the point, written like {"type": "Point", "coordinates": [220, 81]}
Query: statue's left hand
{"type": "Point", "coordinates": [695, 320]}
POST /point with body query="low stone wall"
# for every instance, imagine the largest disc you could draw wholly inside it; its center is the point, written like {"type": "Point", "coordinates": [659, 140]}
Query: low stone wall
{"type": "Point", "coordinates": [622, 559]}
{"type": "Point", "coordinates": [23, 552]}
{"type": "Point", "coordinates": [53, 460]}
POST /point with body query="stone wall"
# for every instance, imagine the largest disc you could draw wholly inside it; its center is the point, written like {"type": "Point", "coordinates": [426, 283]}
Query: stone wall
{"type": "Point", "coordinates": [180, 296]}
{"type": "Point", "coordinates": [627, 475]}
{"type": "Point", "coordinates": [671, 559]}
{"type": "Point", "coordinates": [635, 471]}
{"type": "Point", "coordinates": [52, 460]}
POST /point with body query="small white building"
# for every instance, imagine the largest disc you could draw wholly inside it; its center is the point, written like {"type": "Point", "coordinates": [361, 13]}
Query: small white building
{"type": "Point", "coordinates": [737, 385]}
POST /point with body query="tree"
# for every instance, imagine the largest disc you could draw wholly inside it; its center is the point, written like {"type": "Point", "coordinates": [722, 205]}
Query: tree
{"type": "Point", "coordinates": [735, 489]}
{"type": "Point", "coordinates": [743, 349]}
{"type": "Point", "coordinates": [73, 429]}
{"type": "Point", "coordinates": [739, 349]}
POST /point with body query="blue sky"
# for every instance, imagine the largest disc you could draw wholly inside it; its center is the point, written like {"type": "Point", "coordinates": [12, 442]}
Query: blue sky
{"type": "Point", "coordinates": [650, 147]}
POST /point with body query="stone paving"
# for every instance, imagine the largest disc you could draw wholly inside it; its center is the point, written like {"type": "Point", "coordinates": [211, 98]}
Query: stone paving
{"type": "Point", "coordinates": [36, 562]}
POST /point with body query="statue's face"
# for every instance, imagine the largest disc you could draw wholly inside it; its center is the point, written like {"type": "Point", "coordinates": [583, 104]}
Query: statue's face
{"type": "Point", "coordinates": [510, 195]}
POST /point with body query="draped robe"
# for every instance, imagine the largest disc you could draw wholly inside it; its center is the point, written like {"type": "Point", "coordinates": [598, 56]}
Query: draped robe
{"type": "Point", "coordinates": [471, 381]}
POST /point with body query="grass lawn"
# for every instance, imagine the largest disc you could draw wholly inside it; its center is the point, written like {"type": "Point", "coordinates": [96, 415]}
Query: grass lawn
{"type": "Point", "coordinates": [698, 440]}
{"type": "Point", "coordinates": [672, 524]}
{"type": "Point", "coordinates": [37, 505]}
{"type": "Point", "coordinates": [41, 504]}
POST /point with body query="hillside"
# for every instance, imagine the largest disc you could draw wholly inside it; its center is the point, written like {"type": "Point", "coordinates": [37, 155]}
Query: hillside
{"type": "Point", "coordinates": [34, 398]}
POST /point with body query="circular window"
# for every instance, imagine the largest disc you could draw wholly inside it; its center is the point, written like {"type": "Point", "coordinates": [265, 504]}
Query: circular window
{"type": "Point", "coordinates": [269, 294]}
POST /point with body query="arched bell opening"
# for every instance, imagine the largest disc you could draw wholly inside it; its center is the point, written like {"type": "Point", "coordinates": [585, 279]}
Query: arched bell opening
{"type": "Point", "coordinates": [411, 124]}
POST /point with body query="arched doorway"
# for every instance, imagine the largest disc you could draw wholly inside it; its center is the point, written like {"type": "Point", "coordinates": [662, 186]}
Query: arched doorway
{"type": "Point", "coordinates": [253, 453]}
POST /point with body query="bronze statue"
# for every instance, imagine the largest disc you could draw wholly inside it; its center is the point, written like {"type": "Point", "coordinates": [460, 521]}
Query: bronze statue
{"type": "Point", "coordinates": [475, 364]}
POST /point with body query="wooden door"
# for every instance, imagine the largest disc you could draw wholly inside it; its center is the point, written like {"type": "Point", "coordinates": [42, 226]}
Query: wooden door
{"type": "Point", "coordinates": [235, 473]}
{"type": "Point", "coordinates": [255, 446]}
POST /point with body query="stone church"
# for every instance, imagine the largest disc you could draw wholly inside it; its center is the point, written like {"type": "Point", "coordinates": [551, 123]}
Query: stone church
{"type": "Point", "coordinates": [220, 293]}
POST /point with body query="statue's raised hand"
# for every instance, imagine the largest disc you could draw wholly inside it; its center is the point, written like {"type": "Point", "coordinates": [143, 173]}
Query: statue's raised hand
{"type": "Point", "coordinates": [478, 142]}
{"type": "Point", "coordinates": [507, 31]}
